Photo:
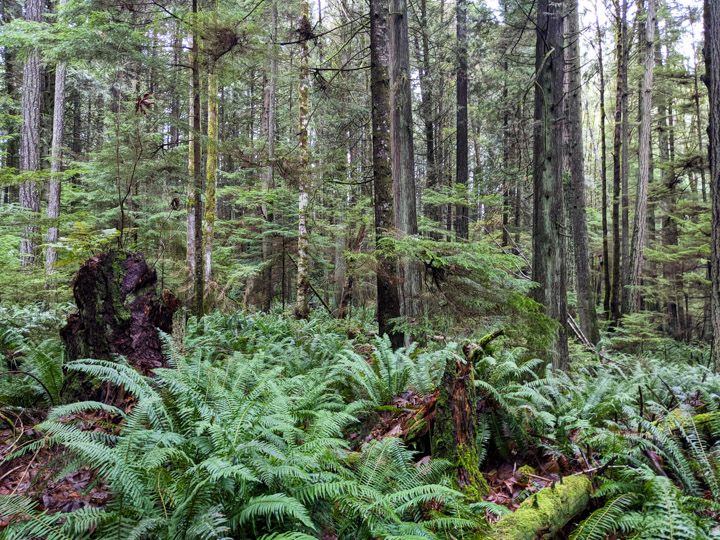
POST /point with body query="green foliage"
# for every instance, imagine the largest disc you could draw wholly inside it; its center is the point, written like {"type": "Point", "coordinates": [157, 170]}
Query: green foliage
{"type": "Point", "coordinates": [390, 373]}
{"type": "Point", "coordinates": [243, 437]}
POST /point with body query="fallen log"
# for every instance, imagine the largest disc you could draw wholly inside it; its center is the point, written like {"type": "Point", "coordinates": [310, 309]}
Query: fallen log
{"type": "Point", "coordinates": [546, 512]}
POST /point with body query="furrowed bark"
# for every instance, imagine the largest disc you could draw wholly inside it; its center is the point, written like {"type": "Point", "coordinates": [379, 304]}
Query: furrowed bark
{"type": "Point", "coordinates": [388, 302]}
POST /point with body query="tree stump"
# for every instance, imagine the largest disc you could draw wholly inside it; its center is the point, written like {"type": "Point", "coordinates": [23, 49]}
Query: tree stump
{"type": "Point", "coordinates": [119, 311]}
{"type": "Point", "coordinates": [453, 432]}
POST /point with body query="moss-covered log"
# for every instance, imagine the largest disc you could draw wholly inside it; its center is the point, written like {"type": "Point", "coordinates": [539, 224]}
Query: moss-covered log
{"type": "Point", "coordinates": [547, 511]}
{"type": "Point", "coordinates": [453, 432]}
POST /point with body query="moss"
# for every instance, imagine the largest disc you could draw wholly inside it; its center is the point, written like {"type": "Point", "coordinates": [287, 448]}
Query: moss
{"type": "Point", "coordinates": [477, 488]}
{"type": "Point", "coordinates": [547, 511]}
{"type": "Point", "coordinates": [525, 472]}
{"type": "Point", "coordinates": [703, 421]}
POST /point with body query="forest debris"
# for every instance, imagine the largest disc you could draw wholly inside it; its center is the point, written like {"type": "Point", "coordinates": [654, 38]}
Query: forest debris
{"type": "Point", "coordinates": [453, 432]}
{"type": "Point", "coordinates": [119, 311]}
{"type": "Point", "coordinates": [547, 511]}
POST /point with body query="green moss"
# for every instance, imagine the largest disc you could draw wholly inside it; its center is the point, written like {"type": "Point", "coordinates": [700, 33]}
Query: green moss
{"type": "Point", "coordinates": [525, 471]}
{"type": "Point", "coordinates": [478, 486]}
{"type": "Point", "coordinates": [547, 511]}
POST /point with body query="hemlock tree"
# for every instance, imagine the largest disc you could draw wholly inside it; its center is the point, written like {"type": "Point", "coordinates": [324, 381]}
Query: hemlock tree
{"type": "Point", "coordinates": [388, 304]}
{"type": "Point", "coordinates": [585, 296]}
{"type": "Point", "coordinates": [712, 80]}
{"type": "Point", "coordinates": [58, 127]}
{"type": "Point", "coordinates": [30, 139]}
{"type": "Point", "coordinates": [640, 219]}
{"type": "Point", "coordinates": [303, 256]}
{"type": "Point", "coordinates": [548, 246]}
{"type": "Point", "coordinates": [403, 158]}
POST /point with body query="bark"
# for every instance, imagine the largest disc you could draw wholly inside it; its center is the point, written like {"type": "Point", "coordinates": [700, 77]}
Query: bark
{"type": "Point", "coordinates": [119, 312]}
{"type": "Point", "coordinates": [388, 303]}
{"type": "Point", "coordinates": [625, 238]}
{"type": "Point", "coordinates": [403, 158]}
{"type": "Point", "coordinates": [548, 247]}
{"type": "Point", "coordinates": [268, 173]}
{"type": "Point", "coordinates": [211, 173]}
{"type": "Point", "coordinates": [56, 165]}
{"type": "Point", "coordinates": [190, 257]}
{"type": "Point", "coordinates": [669, 226]}
{"type": "Point", "coordinates": [303, 256]}
{"type": "Point", "coordinates": [199, 290]}
{"type": "Point", "coordinates": [640, 221]}
{"type": "Point", "coordinates": [461, 133]}
{"type": "Point", "coordinates": [712, 80]}
{"type": "Point", "coordinates": [603, 172]}
{"type": "Point", "coordinates": [428, 113]}
{"type": "Point", "coordinates": [453, 431]}
{"type": "Point", "coordinates": [29, 140]}
{"type": "Point", "coordinates": [585, 297]}
{"type": "Point", "coordinates": [617, 170]}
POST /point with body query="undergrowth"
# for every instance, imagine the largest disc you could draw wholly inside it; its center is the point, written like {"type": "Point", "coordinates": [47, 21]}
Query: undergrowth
{"type": "Point", "coordinates": [246, 435]}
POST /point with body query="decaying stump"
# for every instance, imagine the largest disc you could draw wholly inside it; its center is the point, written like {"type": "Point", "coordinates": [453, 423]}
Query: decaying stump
{"type": "Point", "coordinates": [453, 432]}
{"type": "Point", "coordinates": [119, 311]}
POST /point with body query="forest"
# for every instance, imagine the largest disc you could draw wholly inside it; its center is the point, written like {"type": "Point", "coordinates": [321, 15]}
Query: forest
{"type": "Point", "coordinates": [358, 270]}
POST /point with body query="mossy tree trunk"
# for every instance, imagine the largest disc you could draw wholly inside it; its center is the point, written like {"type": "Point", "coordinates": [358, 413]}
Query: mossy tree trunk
{"type": "Point", "coordinates": [453, 433]}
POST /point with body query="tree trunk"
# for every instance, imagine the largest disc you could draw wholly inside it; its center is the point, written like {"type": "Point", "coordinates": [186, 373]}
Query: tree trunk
{"type": "Point", "coordinates": [388, 302]}
{"type": "Point", "coordinates": [712, 80]}
{"type": "Point", "coordinates": [603, 172]}
{"type": "Point", "coordinates": [268, 173]}
{"type": "Point", "coordinates": [190, 256]}
{"type": "Point", "coordinates": [640, 221]}
{"type": "Point", "coordinates": [625, 233]}
{"type": "Point", "coordinates": [548, 246]}
{"type": "Point", "coordinates": [428, 113]}
{"type": "Point", "coordinates": [585, 297]}
{"type": "Point", "coordinates": [303, 256]}
{"type": "Point", "coordinates": [211, 172]}
{"type": "Point", "coordinates": [461, 133]}
{"type": "Point", "coordinates": [56, 164]}
{"type": "Point", "coordinates": [403, 158]}
{"type": "Point", "coordinates": [199, 290]}
{"type": "Point", "coordinates": [29, 139]}
{"type": "Point", "coordinates": [617, 170]}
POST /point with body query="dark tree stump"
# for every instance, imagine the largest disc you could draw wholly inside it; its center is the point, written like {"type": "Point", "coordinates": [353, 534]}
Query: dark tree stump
{"type": "Point", "coordinates": [453, 432]}
{"type": "Point", "coordinates": [119, 311]}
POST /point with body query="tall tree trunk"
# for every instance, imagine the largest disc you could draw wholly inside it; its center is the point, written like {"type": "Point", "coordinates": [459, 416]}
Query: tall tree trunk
{"type": "Point", "coordinates": [640, 221]}
{"type": "Point", "coordinates": [10, 10]}
{"type": "Point", "coordinates": [211, 172]}
{"type": "Point", "coordinates": [548, 217]}
{"type": "Point", "coordinates": [712, 80]}
{"type": "Point", "coordinates": [603, 172]}
{"type": "Point", "coordinates": [303, 256]}
{"type": "Point", "coordinates": [268, 173]}
{"type": "Point", "coordinates": [428, 113]}
{"type": "Point", "coordinates": [197, 177]}
{"type": "Point", "coordinates": [617, 169]}
{"type": "Point", "coordinates": [625, 233]}
{"type": "Point", "coordinates": [190, 220]}
{"type": "Point", "coordinates": [403, 158]}
{"type": "Point", "coordinates": [56, 164]}
{"type": "Point", "coordinates": [585, 297]}
{"type": "Point", "coordinates": [461, 133]}
{"type": "Point", "coordinates": [29, 139]}
{"type": "Point", "coordinates": [388, 302]}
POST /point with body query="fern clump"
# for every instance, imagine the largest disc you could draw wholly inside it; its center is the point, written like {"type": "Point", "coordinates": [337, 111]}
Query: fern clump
{"type": "Point", "coordinates": [239, 441]}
